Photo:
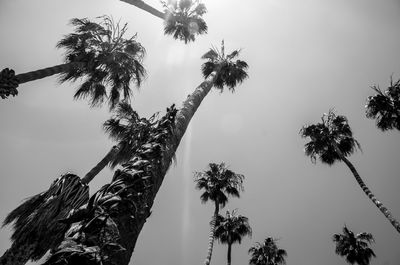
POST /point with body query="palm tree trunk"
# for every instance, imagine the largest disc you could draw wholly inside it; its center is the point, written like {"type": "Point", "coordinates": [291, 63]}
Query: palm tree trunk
{"type": "Point", "coordinates": [212, 234]}
{"type": "Point", "coordinates": [99, 167]}
{"type": "Point", "coordinates": [142, 5]}
{"type": "Point", "coordinates": [45, 72]}
{"type": "Point", "coordinates": [229, 253]}
{"type": "Point", "coordinates": [130, 228]}
{"type": "Point", "coordinates": [368, 192]}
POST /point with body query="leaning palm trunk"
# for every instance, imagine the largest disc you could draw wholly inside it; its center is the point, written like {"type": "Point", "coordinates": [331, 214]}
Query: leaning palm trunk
{"type": "Point", "coordinates": [211, 236]}
{"type": "Point", "coordinates": [368, 192]}
{"type": "Point", "coordinates": [130, 220]}
{"type": "Point", "coordinates": [142, 5]}
{"type": "Point", "coordinates": [9, 81]}
{"type": "Point", "coordinates": [101, 165]}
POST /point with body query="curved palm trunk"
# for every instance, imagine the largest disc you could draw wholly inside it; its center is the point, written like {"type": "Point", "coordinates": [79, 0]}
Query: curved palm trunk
{"type": "Point", "coordinates": [142, 5]}
{"type": "Point", "coordinates": [9, 81]}
{"type": "Point", "coordinates": [229, 253]}
{"type": "Point", "coordinates": [99, 167]}
{"type": "Point", "coordinates": [212, 234]}
{"type": "Point", "coordinates": [368, 192]}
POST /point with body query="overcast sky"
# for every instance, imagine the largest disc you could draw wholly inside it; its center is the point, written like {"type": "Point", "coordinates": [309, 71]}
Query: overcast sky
{"type": "Point", "coordinates": [305, 57]}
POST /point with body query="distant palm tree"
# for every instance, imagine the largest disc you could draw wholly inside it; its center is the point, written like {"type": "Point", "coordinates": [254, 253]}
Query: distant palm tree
{"type": "Point", "coordinates": [182, 18]}
{"type": "Point", "coordinates": [385, 107]}
{"type": "Point", "coordinates": [97, 51]}
{"type": "Point", "coordinates": [218, 182]}
{"type": "Point", "coordinates": [267, 253]}
{"type": "Point", "coordinates": [231, 229]}
{"type": "Point", "coordinates": [332, 140]}
{"type": "Point", "coordinates": [354, 247]}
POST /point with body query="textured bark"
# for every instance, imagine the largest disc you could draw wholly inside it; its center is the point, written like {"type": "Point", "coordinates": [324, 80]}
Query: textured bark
{"type": "Point", "coordinates": [229, 253]}
{"type": "Point", "coordinates": [99, 167]}
{"type": "Point", "coordinates": [45, 72]}
{"type": "Point", "coordinates": [142, 5]}
{"type": "Point", "coordinates": [212, 234]}
{"type": "Point", "coordinates": [368, 192]}
{"type": "Point", "coordinates": [17, 255]}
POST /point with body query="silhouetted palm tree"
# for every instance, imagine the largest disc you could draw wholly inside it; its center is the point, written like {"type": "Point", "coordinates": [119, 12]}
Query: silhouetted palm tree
{"type": "Point", "coordinates": [166, 137]}
{"type": "Point", "coordinates": [231, 229]}
{"type": "Point", "coordinates": [354, 247]}
{"type": "Point", "coordinates": [218, 182]}
{"type": "Point", "coordinates": [182, 18]}
{"type": "Point", "coordinates": [267, 253]}
{"type": "Point", "coordinates": [385, 107]}
{"type": "Point", "coordinates": [332, 140]}
{"type": "Point", "coordinates": [97, 51]}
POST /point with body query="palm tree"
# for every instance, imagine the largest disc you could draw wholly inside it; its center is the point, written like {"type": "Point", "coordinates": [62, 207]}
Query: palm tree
{"type": "Point", "coordinates": [354, 247]}
{"type": "Point", "coordinates": [385, 107]}
{"type": "Point", "coordinates": [130, 131]}
{"type": "Point", "coordinates": [218, 182]}
{"type": "Point", "coordinates": [332, 140]}
{"type": "Point", "coordinates": [231, 229]}
{"type": "Point", "coordinates": [167, 134]}
{"type": "Point", "coordinates": [182, 18]}
{"type": "Point", "coordinates": [97, 51]}
{"type": "Point", "coordinates": [267, 253]}
{"type": "Point", "coordinates": [36, 221]}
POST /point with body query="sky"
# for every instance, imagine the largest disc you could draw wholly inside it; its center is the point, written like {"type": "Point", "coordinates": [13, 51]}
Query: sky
{"type": "Point", "coordinates": [304, 58]}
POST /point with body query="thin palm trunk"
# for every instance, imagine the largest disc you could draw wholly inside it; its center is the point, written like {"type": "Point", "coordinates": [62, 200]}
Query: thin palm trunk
{"type": "Point", "coordinates": [368, 192]}
{"type": "Point", "coordinates": [102, 164]}
{"type": "Point", "coordinates": [45, 72]}
{"type": "Point", "coordinates": [211, 236]}
{"type": "Point", "coordinates": [142, 5]}
{"type": "Point", "coordinates": [229, 253]}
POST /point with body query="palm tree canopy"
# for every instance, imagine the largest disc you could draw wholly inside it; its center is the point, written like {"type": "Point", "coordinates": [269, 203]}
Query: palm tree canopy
{"type": "Point", "coordinates": [218, 183]}
{"type": "Point", "coordinates": [385, 107]}
{"type": "Point", "coordinates": [111, 61]}
{"type": "Point", "coordinates": [230, 72]}
{"type": "Point", "coordinates": [184, 19]}
{"type": "Point", "coordinates": [131, 131]}
{"type": "Point", "coordinates": [232, 228]}
{"type": "Point", "coordinates": [354, 247]}
{"type": "Point", "coordinates": [334, 131]}
{"type": "Point", "coordinates": [267, 253]}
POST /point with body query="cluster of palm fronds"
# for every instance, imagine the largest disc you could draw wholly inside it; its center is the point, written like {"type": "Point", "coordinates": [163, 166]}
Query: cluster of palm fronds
{"type": "Point", "coordinates": [184, 19]}
{"type": "Point", "coordinates": [97, 235]}
{"type": "Point", "coordinates": [37, 220]}
{"type": "Point", "coordinates": [8, 84]}
{"type": "Point", "coordinates": [385, 107]}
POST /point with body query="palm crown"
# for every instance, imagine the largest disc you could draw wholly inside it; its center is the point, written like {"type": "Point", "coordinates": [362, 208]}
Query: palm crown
{"type": "Point", "coordinates": [184, 19]}
{"type": "Point", "coordinates": [110, 60]}
{"type": "Point", "coordinates": [267, 253]}
{"type": "Point", "coordinates": [232, 228]}
{"type": "Point", "coordinates": [218, 183]}
{"type": "Point", "coordinates": [230, 72]}
{"type": "Point", "coordinates": [328, 138]}
{"type": "Point", "coordinates": [354, 247]}
{"type": "Point", "coordinates": [385, 107]}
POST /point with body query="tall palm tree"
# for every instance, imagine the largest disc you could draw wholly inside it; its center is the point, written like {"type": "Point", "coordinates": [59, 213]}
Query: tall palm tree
{"type": "Point", "coordinates": [231, 229]}
{"type": "Point", "coordinates": [182, 18]}
{"type": "Point", "coordinates": [354, 247]}
{"type": "Point", "coordinates": [332, 140]}
{"type": "Point", "coordinates": [267, 253]}
{"type": "Point", "coordinates": [385, 107]}
{"type": "Point", "coordinates": [97, 51]}
{"type": "Point", "coordinates": [170, 131]}
{"type": "Point", "coordinates": [218, 182]}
